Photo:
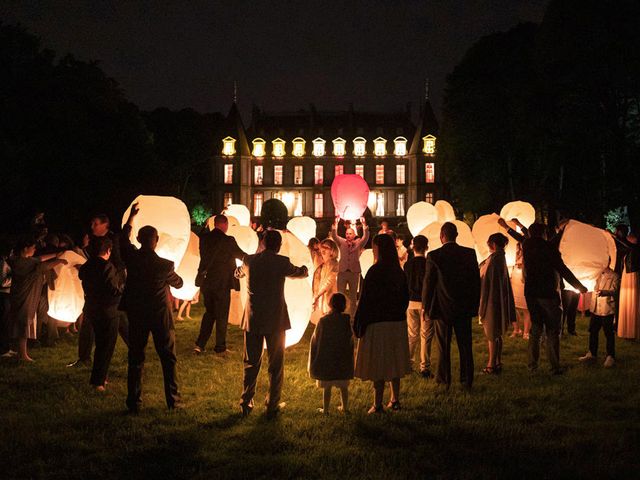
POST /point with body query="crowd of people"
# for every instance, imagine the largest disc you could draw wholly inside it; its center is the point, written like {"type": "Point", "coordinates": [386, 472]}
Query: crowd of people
{"type": "Point", "coordinates": [378, 328]}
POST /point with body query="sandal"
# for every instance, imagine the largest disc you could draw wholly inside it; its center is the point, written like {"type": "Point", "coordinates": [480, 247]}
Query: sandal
{"type": "Point", "coordinates": [489, 371]}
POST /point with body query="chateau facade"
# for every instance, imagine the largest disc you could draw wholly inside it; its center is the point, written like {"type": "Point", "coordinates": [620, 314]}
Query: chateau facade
{"type": "Point", "coordinates": [295, 156]}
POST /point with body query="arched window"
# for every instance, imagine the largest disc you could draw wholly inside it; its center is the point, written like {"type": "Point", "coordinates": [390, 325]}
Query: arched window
{"type": "Point", "coordinates": [429, 145]}
{"type": "Point", "coordinates": [359, 146]}
{"type": "Point", "coordinates": [400, 146]}
{"type": "Point", "coordinates": [278, 147]}
{"type": "Point", "coordinates": [298, 147]}
{"type": "Point", "coordinates": [258, 148]}
{"type": "Point", "coordinates": [318, 147]}
{"type": "Point", "coordinates": [229, 146]}
{"type": "Point", "coordinates": [379, 147]}
{"type": "Point", "coordinates": [339, 147]}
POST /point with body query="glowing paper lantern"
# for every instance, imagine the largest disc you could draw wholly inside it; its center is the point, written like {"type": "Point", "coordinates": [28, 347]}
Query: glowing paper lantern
{"type": "Point", "coordinates": [172, 220]}
{"type": "Point", "coordinates": [585, 250]}
{"type": "Point", "coordinates": [611, 248]}
{"type": "Point", "coordinates": [188, 269]}
{"type": "Point", "coordinates": [445, 211]}
{"type": "Point", "coordinates": [432, 232]}
{"type": "Point", "coordinates": [350, 194]}
{"type": "Point", "coordinates": [240, 212]}
{"type": "Point", "coordinates": [523, 211]}
{"type": "Point", "coordinates": [246, 238]}
{"type": "Point", "coordinates": [482, 229]}
{"type": "Point", "coordinates": [420, 215]}
{"type": "Point", "coordinates": [302, 227]}
{"type": "Point", "coordinates": [248, 241]}
{"type": "Point", "coordinates": [233, 222]}
{"type": "Point", "coordinates": [67, 299]}
{"type": "Point", "coordinates": [366, 261]}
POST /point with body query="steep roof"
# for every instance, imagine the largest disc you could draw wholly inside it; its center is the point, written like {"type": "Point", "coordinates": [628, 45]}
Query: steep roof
{"type": "Point", "coordinates": [233, 127]}
{"type": "Point", "coordinates": [427, 125]}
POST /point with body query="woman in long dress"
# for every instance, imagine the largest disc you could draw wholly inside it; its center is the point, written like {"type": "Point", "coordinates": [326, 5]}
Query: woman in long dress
{"type": "Point", "coordinates": [629, 306]}
{"type": "Point", "coordinates": [325, 279]}
{"type": "Point", "coordinates": [517, 286]}
{"type": "Point", "coordinates": [381, 324]}
{"type": "Point", "coordinates": [497, 307]}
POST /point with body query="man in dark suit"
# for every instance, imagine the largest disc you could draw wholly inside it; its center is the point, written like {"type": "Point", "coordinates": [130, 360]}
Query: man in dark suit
{"type": "Point", "coordinates": [146, 301]}
{"type": "Point", "coordinates": [218, 253]}
{"type": "Point", "coordinates": [450, 298]}
{"type": "Point", "coordinates": [266, 319]}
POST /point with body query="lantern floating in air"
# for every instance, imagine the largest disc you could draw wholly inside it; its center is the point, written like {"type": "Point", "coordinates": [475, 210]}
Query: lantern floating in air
{"type": "Point", "coordinates": [188, 269]}
{"type": "Point", "coordinates": [445, 211]}
{"type": "Point", "coordinates": [482, 229]}
{"type": "Point", "coordinates": [523, 211]}
{"type": "Point", "coordinates": [302, 227]}
{"type": "Point", "coordinates": [420, 215]}
{"type": "Point", "coordinates": [67, 298]}
{"type": "Point", "coordinates": [350, 194]}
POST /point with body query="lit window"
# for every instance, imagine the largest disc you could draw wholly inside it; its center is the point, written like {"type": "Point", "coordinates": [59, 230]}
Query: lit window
{"type": "Point", "coordinates": [371, 201]}
{"type": "Point", "coordinates": [229, 146]}
{"type": "Point", "coordinates": [298, 147]}
{"type": "Point", "coordinates": [318, 147]}
{"type": "Point", "coordinates": [277, 195]}
{"type": "Point", "coordinates": [360, 170]}
{"type": "Point", "coordinates": [400, 146]}
{"type": "Point", "coordinates": [278, 147]}
{"type": "Point", "coordinates": [297, 174]}
{"type": "Point", "coordinates": [429, 173]}
{"type": "Point", "coordinates": [380, 204]}
{"type": "Point", "coordinates": [429, 145]}
{"type": "Point", "coordinates": [318, 208]}
{"type": "Point", "coordinates": [277, 174]}
{"type": "Point", "coordinates": [379, 174]}
{"type": "Point", "coordinates": [400, 205]}
{"type": "Point", "coordinates": [339, 170]}
{"type": "Point", "coordinates": [359, 146]}
{"type": "Point", "coordinates": [258, 148]}
{"type": "Point", "coordinates": [400, 178]}
{"type": "Point", "coordinates": [318, 174]}
{"type": "Point", "coordinates": [258, 173]}
{"type": "Point", "coordinates": [429, 198]}
{"type": "Point", "coordinates": [228, 199]}
{"type": "Point", "coordinates": [379, 147]}
{"type": "Point", "coordinates": [297, 202]}
{"type": "Point", "coordinates": [228, 173]}
{"type": "Point", "coordinates": [258, 198]}
{"type": "Point", "coordinates": [339, 147]}
{"type": "Point", "coordinates": [288, 199]}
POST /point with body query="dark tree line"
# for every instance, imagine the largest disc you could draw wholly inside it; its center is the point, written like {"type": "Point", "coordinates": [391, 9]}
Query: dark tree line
{"type": "Point", "coordinates": [549, 113]}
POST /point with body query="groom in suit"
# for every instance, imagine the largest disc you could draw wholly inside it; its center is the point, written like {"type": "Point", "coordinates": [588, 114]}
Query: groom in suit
{"type": "Point", "coordinates": [450, 298]}
{"type": "Point", "coordinates": [266, 319]}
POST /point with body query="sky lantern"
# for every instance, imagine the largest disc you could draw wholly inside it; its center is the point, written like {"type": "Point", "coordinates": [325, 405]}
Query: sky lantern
{"type": "Point", "coordinates": [432, 232]}
{"type": "Point", "coordinates": [483, 228]}
{"type": "Point", "coordinates": [188, 270]}
{"type": "Point", "coordinates": [246, 238]}
{"type": "Point", "coordinates": [67, 299]}
{"type": "Point", "coordinates": [302, 227]}
{"type": "Point", "coordinates": [585, 250]}
{"type": "Point", "coordinates": [420, 215]}
{"type": "Point", "coordinates": [240, 212]}
{"type": "Point", "coordinates": [350, 194]}
{"type": "Point", "coordinates": [366, 261]}
{"type": "Point", "coordinates": [172, 220]}
{"type": "Point", "coordinates": [523, 211]}
{"type": "Point", "coordinates": [445, 211]}
{"type": "Point", "coordinates": [248, 241]}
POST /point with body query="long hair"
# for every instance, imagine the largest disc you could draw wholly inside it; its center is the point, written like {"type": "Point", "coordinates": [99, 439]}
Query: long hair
{"type": "Point", "coordinates": [387, 253]}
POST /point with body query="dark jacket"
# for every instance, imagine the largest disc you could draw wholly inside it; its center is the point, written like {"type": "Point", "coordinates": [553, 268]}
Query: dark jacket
{"type": "Point", "coordinates": [149, 277]}
{"type": "Point", "coordinates": [384, 298]}
{"type": "Point", "coordinates": [102, 285]}
{"type": "Point", "coordinates": [266, 310]}
{"type": "Point", "coordinates": [116, 257]}
{"type": "Point", "coordinates": [628, 256]}
{"type": "Point", "coordinates": [414, 269]}
{"type": "Point", "coordinates": [451, 288]}
{"type": "Point", "coordinates": [331, 348]}
{"type": "Point", "coordinates": [218, 253]}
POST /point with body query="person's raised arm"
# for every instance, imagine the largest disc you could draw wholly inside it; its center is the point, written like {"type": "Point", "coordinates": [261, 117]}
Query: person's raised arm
{"type": "Point", "coordinates": [565, 273]}
{"type": "Point", "coordinates": [518, 237]}
{"type": "Point", "coordinates": [365, 233]}
{"type": "Point", "coordinates": [334, 233]}
{"type": "Point", "coordinates": [126, 247]}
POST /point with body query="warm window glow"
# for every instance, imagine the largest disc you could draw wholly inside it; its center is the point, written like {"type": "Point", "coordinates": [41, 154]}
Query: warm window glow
{"type": "Point", "coordinates": [228, 199]}
{"type": "Point", "coordinates": [360, 170]}
{"type": "Point", "coordinates": [277, 195]}
{"type": "Point", "coordinates": [318, 174]}
{"type": "Point", "coordinates": [429, 145]}
{"type": "Point", "coordinates": [429, 173]}
{"type": "Point", "coordinates": [288, 199]}
{"type": "Point", "coordinates": [228, 173]}
{"type": "Point", "coordinates": [380, 204]}
{"type": "Point", "coordinates": [380, 147]}
{"type": "Point", "coordinates": [318, 207]}
{"type": "Point", "coordinates": [277, 174]}
{"type": "Point", "coordinates": [258, 148]}
{"type": "Point", "coordinates": [400, 205]}
{"type": "Point", "coordinates": [229, 146]}
{"type": "Point", "coordinates": [258, 199]}
{"type": "Point", "coordinates": [278, 147]}
{"type": "Point", "coordinates": [359, 146]}
{"type": "Point", "coordinates": [339, 147]}
{"type": "Point", "coordinates": [258, 173]}
{"type": "Point", "coordinates": [429, 198]}
{"type": "Point", "coordinates": [318, 147]}
{"type": "Point", "coordinates": [400, 146]}
{"type": "Point", "coordinates": [339, 170]}
{"type": "Point", "coordinates": [297, 210]}
{"type": "Point", "coordinates": [298, 147]}
{"type": "Point", "coordinates": [371, 203]}
{"type": "Point", "coordinates": [297, 174]}
{"type": "Point", "coordinates": [379, 174]}
{"type": "Point", "coordinates": [400, 177]}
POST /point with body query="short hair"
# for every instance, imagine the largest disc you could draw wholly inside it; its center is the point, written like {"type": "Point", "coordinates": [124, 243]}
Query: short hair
{"type": "Point", "coordinates": [272, 240]}
{"type": "Point", "coordinates": [338, 302]}
{"type": "Point", "coordinates": [103, 217]}
{"type": "Point", "coordinates": [537, 230]}
{"type": "Point", "coordinates": [499, 240]}
{"type": "Point", "coordinates": [420, 243]}
{"type": "Point", "coordinates": [147, 235]}
{"type": "Point", "coordinates": [103, 244]}
{"type": "Point", "coordinates": [313, 241]}
{"type": "Point", "coordinates": [24, 242]}
{"type": "Point", "coordinates": [449, 231]}
{"type": "Point", "coordinates": [220, 220]}
{"type": "Point", "coordinates": [331, 245]}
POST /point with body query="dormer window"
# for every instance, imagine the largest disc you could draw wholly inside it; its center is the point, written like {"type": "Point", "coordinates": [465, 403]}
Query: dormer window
{"type": "Point", "coordinates": [318, 147]}
{"type": "Point", "coordinates": [380, 147]}
{"type": "Point", "coordinates": [229, 146]}
{"type": "Point", "coordinates": [359, 146]}
{"type": "Point", "coordinates": [400, 146]}
{"type": "Point", "coordinates": [259, 148]}
{"type": "Point", "coordinates": [429, 145]}
{"type": "Point", "coordinates": [339, 147]}
{"type": "Point", "coordinates": [278, 147]}
{"type": "Point", "coordinates": [298, 147]}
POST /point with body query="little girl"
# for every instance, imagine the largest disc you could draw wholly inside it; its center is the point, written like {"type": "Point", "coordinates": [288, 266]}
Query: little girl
{"type": "Point", "coordinates": [331, 353]}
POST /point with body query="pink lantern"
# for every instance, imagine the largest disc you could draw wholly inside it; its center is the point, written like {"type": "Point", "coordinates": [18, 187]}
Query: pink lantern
{"type": "Point", "coordinates": [350, 194]}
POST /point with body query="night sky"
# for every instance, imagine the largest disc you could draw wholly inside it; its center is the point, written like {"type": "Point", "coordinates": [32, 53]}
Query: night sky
{"type": "Point", "coordinates": [284, 55]}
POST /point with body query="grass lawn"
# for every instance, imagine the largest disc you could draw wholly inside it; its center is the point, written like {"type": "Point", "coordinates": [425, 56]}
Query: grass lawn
{"type": "Point", "coordinates": [585, 423]}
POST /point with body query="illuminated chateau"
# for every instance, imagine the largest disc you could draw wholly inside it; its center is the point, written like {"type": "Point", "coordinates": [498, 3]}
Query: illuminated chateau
{"type": "Point", "coordinates": [295, 156]}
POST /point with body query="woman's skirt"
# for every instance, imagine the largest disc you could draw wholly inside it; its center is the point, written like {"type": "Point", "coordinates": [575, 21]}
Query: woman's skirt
{"type": "Point", "coordinates": [383, 352]}
{"type": "Point", "coordinates": [629, 307]}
